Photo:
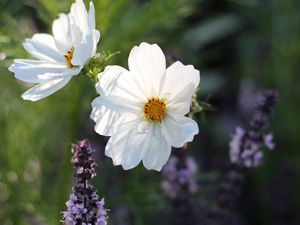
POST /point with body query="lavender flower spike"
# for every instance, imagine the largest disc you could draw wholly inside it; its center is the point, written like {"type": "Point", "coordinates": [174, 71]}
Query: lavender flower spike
{"type": "Point", "coordinates": [245, 145]}
{"type": "Point", "coordinates": [84, 206]}
{"type": "Point", "coordinates": [179, 176]}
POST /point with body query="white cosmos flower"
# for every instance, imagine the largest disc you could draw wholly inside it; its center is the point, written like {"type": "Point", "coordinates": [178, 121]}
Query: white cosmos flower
{"type": "Point", "coordinates": [59, 56]}
{"type": "Point", "coordinates": [143, 109]}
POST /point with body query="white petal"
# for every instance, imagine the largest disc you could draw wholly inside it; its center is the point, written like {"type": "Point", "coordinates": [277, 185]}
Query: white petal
{"type": "Point", "coordinates": [180, 103]}
{"type": "Point", "coordinates": [138, 140]}
{"type": "Point", "coordinates": [116, 103]}
{"type": "Point", "coordinates": [96, 38]}
{"type": "Point", "coordinates": [178, 76]}
{"type": "Point", "coordinates": [158, 150]}
{"type": "Point", "coordinates": [83, 51]}
{"type": "Point", "coordinates": [128, 146]}
{"type": "Point", "coordinates": [43, 90]}
{"type": "Point", "coordinates": [31, 70]}
{"type": "Point", "coordinates": [179, 130]}
{"type": "Point", "coordinates": [42, 46]}
{"type": "Point", "coordinates": [147, 64]}
{"type": "Point", "coordinates": [23, 70]}
{"type": "Point", "coordinates": [79, 16]}
{"type": "Point", "coordinates": [116, 80]}
{"type": "Point", "coordinates": [107, 120]}
{"type": "Point", "coordinates": [58, 75]}
{"type": "Point", "coordinates": [91, 16]}
{"type": "Point", "coordinates": [75, 33]}
{"type": "Point", "coordinates": [62, 33]}
{"type": "Point", "coordinates": [86, 46]}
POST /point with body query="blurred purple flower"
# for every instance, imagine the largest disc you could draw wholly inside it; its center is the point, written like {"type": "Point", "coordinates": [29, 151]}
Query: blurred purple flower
{"type": "Point", "coordinates": [179, 176]}
{"type": "Point", "coordinates": [268, 141]}
{"type": "Point", "coordinates": [84, 206]}
{"type": "Point", "coordinates": [245, 145]}
{"type": "Point", "coordinates": [235, 144]}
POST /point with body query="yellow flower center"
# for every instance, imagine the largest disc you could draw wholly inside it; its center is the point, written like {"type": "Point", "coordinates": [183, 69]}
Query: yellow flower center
{"type": "Point", "coordinates": [69, 57]}
{"type": "Point", "coordinates": [155, 109]}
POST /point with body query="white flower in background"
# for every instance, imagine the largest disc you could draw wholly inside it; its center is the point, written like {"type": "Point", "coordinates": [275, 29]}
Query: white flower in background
{"type": "Point", "coordinates": [61, 56]}
{"type": "Point", "coordinates": [143, 109]}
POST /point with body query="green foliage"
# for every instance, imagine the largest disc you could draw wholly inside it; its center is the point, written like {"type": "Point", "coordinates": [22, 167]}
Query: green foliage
{"type": "Point", "coordinates": [97, 64]}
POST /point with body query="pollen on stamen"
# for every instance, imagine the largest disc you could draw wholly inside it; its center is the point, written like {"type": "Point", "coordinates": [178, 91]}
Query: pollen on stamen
{"type": "Point", "coordinates": [154, 110]}
{"type": "Point", "coordinates": [68, 57]}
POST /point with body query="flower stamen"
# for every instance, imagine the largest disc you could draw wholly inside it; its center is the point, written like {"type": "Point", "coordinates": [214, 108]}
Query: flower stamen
{"type": "Point", "coordinates": [155, 109]}
{"type": "Point", "coordinates": [69, 57]}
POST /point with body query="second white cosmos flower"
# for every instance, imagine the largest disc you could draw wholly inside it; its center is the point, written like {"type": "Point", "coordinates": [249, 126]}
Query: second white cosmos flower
{"type": "Point", "coordinates": [61, 56]}
{"type": "Point", "coordinates": [143, 109]}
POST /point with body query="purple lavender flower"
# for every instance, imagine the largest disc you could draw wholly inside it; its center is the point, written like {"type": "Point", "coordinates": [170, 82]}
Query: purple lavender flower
{"type": "Point", "coordinates": [84, 206]}
{"type": "Point", "coordinates": [268, 141]}
{"type": "Point", "coordinates": [245, 151]}
{"type": "Point", "coordinates": [245, 145]}
{"type": "Point", "coordinates": [235, 144]}
{"type": "Point", "coordinates": [179, 176]}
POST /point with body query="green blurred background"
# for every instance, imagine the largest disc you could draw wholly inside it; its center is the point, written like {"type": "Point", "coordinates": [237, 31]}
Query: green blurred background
{"type": "Point", "coordinates": [240, 47]}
